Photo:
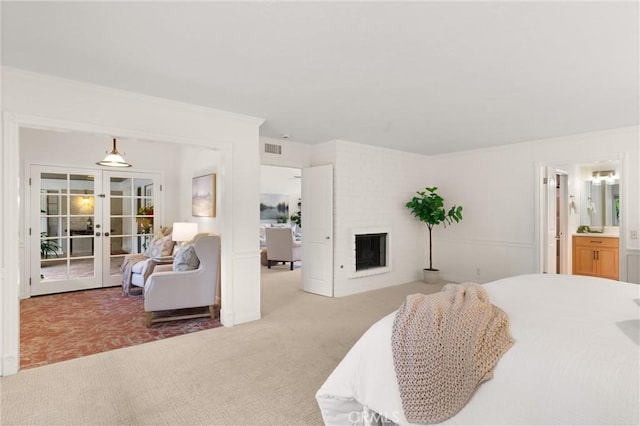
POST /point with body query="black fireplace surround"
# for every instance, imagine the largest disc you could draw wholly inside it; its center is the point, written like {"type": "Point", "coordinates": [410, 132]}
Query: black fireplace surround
{"type": "Point", "coordinates": [371, 251]}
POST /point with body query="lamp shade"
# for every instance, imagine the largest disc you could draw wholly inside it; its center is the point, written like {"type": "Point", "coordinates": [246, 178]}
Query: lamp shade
{"type": "Point", "coordinates": [114, 158]}
{"type": "Point", "coordinates": [184, 231]}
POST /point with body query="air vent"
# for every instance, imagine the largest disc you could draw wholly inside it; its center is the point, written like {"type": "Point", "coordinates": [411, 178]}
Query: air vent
{"type": "Point", "coordinates": [271, 148]}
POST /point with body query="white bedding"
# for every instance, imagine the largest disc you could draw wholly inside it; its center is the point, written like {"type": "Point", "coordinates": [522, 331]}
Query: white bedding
{"type": "Point", "coordinates": [575, 360]}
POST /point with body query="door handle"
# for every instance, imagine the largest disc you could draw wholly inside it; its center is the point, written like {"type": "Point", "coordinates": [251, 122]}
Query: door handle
{"type": "Point", "coordinates": [97, 234]}
{"type": "Point", "coordinates": [106, 234]}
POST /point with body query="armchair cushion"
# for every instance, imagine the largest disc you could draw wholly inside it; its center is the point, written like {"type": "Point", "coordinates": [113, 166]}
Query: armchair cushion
{"type": "Point", "coordinates": [159, 246]}
{"type": "Point", "coordinates": [186, 259]}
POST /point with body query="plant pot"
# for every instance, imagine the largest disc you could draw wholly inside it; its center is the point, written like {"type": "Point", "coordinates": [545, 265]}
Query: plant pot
{"type": "Point", "coordinates": [431, 276]}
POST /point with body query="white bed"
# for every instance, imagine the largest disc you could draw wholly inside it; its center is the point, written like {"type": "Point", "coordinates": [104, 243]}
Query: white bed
{"type": "Point", "coordinates": [575, 360]}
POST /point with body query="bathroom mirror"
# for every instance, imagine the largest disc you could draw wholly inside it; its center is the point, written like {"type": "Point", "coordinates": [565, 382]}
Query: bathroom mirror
{"type": "Point", "coordinates": [600, 204]}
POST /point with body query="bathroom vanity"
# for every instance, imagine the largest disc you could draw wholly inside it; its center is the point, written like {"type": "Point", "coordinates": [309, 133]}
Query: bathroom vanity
{"type": "Point", "coordinates": [595, 255]}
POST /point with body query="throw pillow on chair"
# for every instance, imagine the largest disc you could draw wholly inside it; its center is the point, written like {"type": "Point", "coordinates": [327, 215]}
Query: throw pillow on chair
{"type": "Point", "coordinates": [186, 259]}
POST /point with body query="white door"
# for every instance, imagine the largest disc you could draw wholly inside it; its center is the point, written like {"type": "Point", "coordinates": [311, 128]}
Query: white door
{"type": "Point", "coordinates": [551, 234]}
{"type": "Point", "coordinates": [63, 210]}
{"type": "Point", "coordinates": [82, 224]}
{"type": "Point", "coordinates": [131, 211]}
{"type": "Point", "coordinates": [317, 214]}
{"type": "Point", "coordinates": [562, 208]}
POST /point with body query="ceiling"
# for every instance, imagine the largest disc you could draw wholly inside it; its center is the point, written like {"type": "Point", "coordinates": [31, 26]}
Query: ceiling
{"type": "Point", "coordinates": [428, 77]}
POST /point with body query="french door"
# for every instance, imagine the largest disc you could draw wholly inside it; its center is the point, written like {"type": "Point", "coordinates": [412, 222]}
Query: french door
{"type": "Point", "coordinates": [83, 222]}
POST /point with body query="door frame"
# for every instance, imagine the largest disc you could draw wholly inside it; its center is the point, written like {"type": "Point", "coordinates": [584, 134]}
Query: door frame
{"type": "Point", "coordinates": [10, 216]}
{"type": "Point", "coordinates": [540, 210]}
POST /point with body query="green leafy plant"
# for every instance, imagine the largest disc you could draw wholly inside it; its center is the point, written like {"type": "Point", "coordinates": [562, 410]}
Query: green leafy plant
{"type": "Point", "coordinates": [428, 207]}
{"type": "Point", "coordinates": [297, 216]}
{"type": "Point", "coordinates": [48, 247]}
{"type": "Point", "coordinates": [146, 211]}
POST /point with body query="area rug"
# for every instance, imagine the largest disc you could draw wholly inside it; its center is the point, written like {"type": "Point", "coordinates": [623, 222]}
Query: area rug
{"type": "Point", "coordinates": [63, 326]}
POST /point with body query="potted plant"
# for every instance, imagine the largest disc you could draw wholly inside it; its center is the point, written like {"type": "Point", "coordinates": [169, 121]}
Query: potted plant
{"type": "Point", "coordinates": [428, 207]}
{"type": "Point", "coordinates": [297, 216]}
{"type": "Point", "coordinates": [48, 247]}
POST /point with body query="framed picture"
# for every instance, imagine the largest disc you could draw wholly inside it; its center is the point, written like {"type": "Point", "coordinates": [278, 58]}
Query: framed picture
{"type": "Point", "coordinates": [203, 196]}
{"type": "Point", "coordinates": [274, 207]}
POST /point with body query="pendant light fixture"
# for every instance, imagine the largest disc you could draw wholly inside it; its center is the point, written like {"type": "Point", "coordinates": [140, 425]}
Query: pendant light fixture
{"type": "Point", "coordinates": [113, 158]}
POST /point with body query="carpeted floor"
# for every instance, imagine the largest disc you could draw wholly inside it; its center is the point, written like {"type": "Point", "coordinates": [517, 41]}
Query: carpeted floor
{"type": "Point", "coordinates": [64, 326]}
{"type": "Point", "coordinates": [264, 372]}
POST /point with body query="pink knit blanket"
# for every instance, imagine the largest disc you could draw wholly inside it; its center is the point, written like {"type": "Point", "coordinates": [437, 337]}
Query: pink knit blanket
{"type": "Point", "coordinates": [127, 265]}
{"type": "Point", "coordinates": [444, 345]}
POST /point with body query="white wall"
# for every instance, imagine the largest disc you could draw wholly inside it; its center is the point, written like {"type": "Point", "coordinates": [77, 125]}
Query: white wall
{"type": "Point", "coordinates": [55, 103]}
{"type": "Point", "coordinates": [371, 187]}
{"type": "Point", "coordinates": [76, 149]}
{"type": "Point", "coordinates": [495, 186]}
{"type": "Point", "coordinates": [497, 236]}
{"type": "Point", "coordinates": [194, 162]}
{"type": "Point", "coordinates": [294, 154]}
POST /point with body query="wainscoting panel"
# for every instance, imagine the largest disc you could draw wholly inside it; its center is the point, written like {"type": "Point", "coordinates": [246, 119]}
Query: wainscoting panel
{"type": "Point", "coordinates": [482, 261]}
{"type": "Point", "coordinates": [246, 289]}
{"type": "Point", "coordinates": [633, 266]}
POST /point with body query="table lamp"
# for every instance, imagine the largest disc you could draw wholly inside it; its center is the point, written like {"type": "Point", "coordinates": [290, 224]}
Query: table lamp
{"type": "Point", "coordinates": [184, 231]}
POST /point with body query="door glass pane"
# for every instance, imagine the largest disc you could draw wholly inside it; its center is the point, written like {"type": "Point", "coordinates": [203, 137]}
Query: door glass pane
{"type": "Point", "coordinates": [66, 226]}
{"type": "Point", "coordinates": [144, 202]}
{"type": "Point", "coordinates": [120, 245]}
{"type": "Point", "coordinates": [117, 226]}
{"type": "Point", "coordinates": [53, 269]}
{"type": "Point", "coordinates": [115, 265]}
{"type": "Point", "coordinates": [81, 268]}
{"type": "Point", "coordinates": [81, 246]}
{"type": "Point", "coordinates": [132, 214]}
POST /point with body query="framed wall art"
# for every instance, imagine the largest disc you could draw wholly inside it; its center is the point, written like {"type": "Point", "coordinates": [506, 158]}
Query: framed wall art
{"type": "Point", "coordinates": [203, 196]}
{"type": "Point", "coordinates": [274, 207]}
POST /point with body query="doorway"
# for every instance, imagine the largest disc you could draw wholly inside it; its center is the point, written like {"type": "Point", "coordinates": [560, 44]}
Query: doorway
{"type": "Point", "coordinates": [556, 235]}
{"type": "Point", "coordinates": [82, 222]}
{"type": "Point", "coordinates": [573, 196]}
{"type": "Point", "coordinates": [280, 201]}
{"type": "Point", "coordinates": [312, 221]}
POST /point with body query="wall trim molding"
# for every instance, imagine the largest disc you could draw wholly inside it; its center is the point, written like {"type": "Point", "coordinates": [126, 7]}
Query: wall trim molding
{"type": "Point", "coordinates": [134, 96]}
{"type": "Point", "coordinates": [246, 254]}
{"type": "Point", "coordinates": [479, 242]}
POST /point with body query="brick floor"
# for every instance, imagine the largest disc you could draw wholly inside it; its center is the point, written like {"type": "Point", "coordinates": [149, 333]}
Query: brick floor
{"type": "Point", "coordinates": [63, 326]}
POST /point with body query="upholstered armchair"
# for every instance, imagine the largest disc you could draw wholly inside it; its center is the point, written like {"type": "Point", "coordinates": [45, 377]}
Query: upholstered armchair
{"type": "Point", "coordinates": [191, 282]}
{"type": "Point", "coordinates": [282, 246]}
{"type": "Point", "coordinates": [137, 267]}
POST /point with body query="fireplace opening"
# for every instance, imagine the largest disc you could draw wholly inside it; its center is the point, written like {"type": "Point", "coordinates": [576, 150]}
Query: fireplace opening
{"type": "Point", "coordinates": [371, 251]}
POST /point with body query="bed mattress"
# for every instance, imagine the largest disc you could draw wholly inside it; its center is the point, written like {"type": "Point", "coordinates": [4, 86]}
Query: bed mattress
{"type": "Point", "coordinates": [575, 360]}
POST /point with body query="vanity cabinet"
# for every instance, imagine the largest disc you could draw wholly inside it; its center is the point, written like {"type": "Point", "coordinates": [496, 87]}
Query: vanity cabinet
{"type": "Point", "coordinates": [595, 256]}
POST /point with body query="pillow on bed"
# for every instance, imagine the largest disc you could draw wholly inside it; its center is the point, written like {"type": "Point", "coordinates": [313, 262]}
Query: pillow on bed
{"type": "Point", "coordinates": [186, 259]}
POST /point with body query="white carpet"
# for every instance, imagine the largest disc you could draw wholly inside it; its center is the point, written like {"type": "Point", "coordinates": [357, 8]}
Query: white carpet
{"type": "Point", "coordinates": [264, 372]}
